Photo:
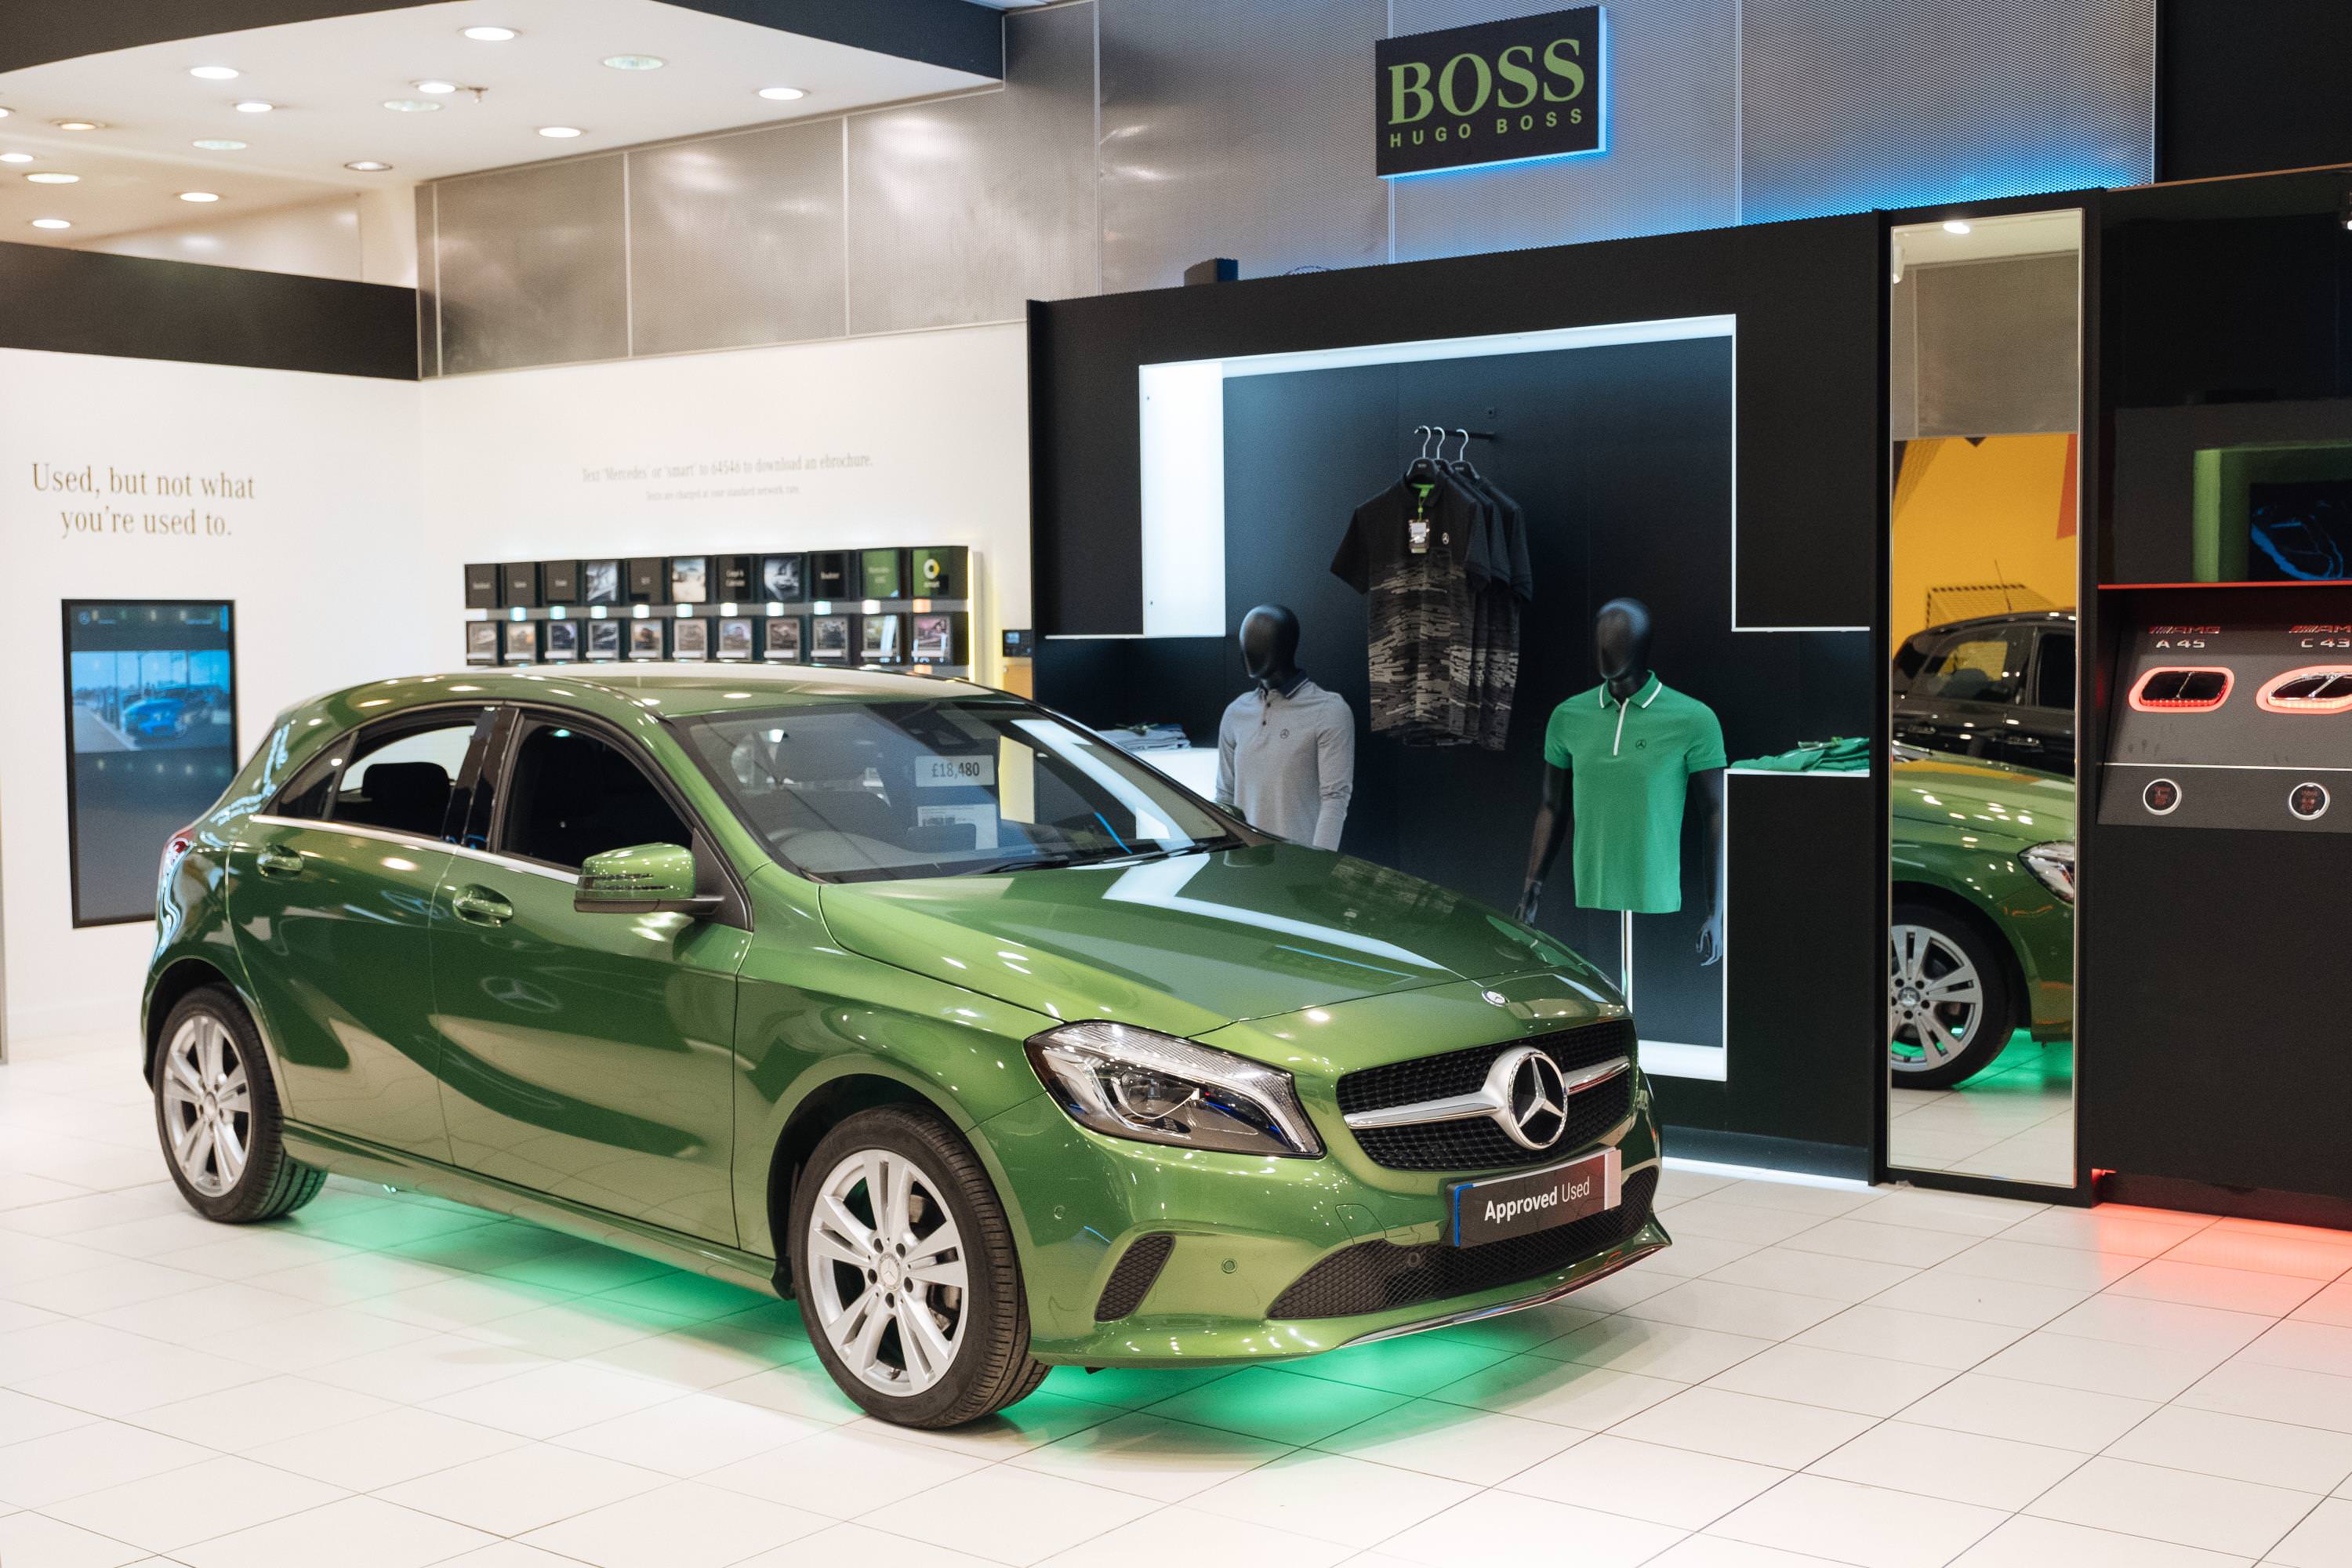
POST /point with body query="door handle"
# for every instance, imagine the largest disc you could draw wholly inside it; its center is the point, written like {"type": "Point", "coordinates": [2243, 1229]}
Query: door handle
{"type": "Point", "coordinates": [480, 906]}
{"type": "Point", "coordinates": [274, 860]}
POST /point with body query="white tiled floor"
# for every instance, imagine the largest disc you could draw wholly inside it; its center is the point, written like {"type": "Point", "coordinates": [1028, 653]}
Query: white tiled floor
{"type": "Point", "coordinates": [2014, 1120]}
{"type": "Point", "coordinates": [1883, 1379]}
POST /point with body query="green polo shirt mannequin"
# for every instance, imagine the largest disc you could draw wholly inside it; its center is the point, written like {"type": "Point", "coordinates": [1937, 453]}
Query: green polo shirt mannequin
{"type": "Point", "coordinates": [1622, 764]}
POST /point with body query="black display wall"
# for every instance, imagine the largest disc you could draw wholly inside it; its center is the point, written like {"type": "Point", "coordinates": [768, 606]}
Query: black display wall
{"type": "Point", "coordinates": [2244, 88]}
{"type": "Point", "coordinates": [2210, 966]}
{"type": "Point", "coordinates": [1624, 459]}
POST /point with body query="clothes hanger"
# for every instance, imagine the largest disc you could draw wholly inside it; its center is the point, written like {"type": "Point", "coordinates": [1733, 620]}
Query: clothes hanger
{"type": "Point", "coordinates": [1422, 467]}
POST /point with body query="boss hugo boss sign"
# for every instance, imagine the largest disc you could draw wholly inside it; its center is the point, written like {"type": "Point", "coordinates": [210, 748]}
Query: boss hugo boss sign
{"type": "Point", "coordinates": [1497, 92]}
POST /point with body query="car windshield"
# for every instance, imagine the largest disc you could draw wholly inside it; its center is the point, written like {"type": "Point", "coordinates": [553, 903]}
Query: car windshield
{"type": "Point", "coordinates": [866, 791]}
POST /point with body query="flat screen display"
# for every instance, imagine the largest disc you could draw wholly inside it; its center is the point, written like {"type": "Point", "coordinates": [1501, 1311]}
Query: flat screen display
{"type": "Point", "coordinates": [2299, 531]}
{"type": "Point", "coordinates": [150, 740]}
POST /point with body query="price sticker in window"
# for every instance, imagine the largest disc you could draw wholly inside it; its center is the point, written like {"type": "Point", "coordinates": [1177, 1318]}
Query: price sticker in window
{"type": "Point", "coordinates": [975, 772]}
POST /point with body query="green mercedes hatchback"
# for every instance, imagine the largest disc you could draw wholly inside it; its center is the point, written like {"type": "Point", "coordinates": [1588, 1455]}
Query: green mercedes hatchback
{"type": "Point", "coordinates": [912, 1000]}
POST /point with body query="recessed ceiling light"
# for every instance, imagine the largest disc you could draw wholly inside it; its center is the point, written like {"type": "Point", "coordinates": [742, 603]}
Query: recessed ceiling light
{"type": "Point", "coordinates": [16, 157]}
{"type": "Point", "coordinates": [5, 113]}
{"type": "Point", "coordinates": [218, 145]}
{"type": "Point", "coordinates": [436, 87]}
{"type": "Point", "coordinates": [368, 166]}
{"type": "Point", "coordinates": [48, 177]}
{"type": "Point", "coordinates": [783, 94]}
{"type": "Point", "coordinates": [52, 223]}
{"type": "Point", "coordinates": [410, 105]}
{"type": "Point", "coordinates": [255, 106]}
{"type": "Point", "coordinates": [490, 35]}
{"type": "Point", "coordinates": [1955, 225]}
{"type": "Point", "coordinates": [198, 197]}
{"type": "Point", "coordinates": [561, 132]}
{"type": "Point", "coordinates": [214, 73]}
{"type": "Point", "coordinates": [635, 62]}
{"type": "Point", "coordinates": [79, 124]}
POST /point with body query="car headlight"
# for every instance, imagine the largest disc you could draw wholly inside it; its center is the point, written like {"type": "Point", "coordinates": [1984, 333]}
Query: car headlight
{"type": "Point", "coordinates": [1134, 1083]}
{"type": "Point", "coordinates": [2053, 863]}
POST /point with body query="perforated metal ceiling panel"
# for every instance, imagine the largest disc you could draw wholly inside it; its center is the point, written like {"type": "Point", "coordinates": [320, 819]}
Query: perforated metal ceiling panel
{"type": "Point", "coordinates": [736, 240]}
{"type": "Point", "coordinates": [1238, 128]}
{"type": "Point", "coordinates": [1670, 160]}
{"type": "Point", "coordinates": [1846, 106]}
{"type": "Point", "coordinates": [966, 209]}
{"type": "Point", "coordinates": [533, 266]}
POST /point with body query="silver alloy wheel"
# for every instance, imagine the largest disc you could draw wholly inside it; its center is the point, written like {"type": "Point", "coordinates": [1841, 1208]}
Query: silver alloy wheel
{"type": "Point", "coordinates": [887, 1271]}
{"type": "Point", "coordinates": [207, 1105]}
{"type": "Point", "coordinates": [1935, 999]}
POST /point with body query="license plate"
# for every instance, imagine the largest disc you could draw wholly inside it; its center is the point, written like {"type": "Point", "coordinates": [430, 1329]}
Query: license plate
{"type": "Point", "coordinates": [1505, 1206]}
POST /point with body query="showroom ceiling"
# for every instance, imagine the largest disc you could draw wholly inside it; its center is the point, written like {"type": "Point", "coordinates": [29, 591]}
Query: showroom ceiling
{"type": "Point", "coordinates": [329, 83]}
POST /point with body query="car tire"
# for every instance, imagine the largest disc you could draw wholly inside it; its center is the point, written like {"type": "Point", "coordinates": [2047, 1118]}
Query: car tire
{"type": "Point", "coordinates": [217, 1115]}
{"type": "Point", "coordinates": [869, 1333]}
{"type": "Point", "coordinates": [1949, 1008]}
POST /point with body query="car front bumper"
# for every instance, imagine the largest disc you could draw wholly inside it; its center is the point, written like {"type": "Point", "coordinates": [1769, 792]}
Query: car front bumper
{"type": "Point", "coordinates": [1245, 1230]}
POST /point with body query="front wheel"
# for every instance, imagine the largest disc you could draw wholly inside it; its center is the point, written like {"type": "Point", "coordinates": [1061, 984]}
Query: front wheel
{"type": "Point", "coordinates": [903, 1262]}
{"type": "Point", "coordinates": [217, 1112]}
{"type": "Point", "coordinates": [1949, 1011]}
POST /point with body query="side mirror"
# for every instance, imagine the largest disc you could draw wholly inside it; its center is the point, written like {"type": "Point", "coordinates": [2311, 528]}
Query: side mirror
{"type": "Point", "coordinates": [643, 880]}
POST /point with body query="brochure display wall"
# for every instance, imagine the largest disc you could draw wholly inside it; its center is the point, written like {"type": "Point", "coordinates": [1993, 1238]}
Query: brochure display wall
{"type": "Point", "coordinates": [896, 608]}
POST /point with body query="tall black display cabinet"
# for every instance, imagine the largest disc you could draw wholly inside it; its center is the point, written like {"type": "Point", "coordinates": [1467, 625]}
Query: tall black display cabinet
{"type": "Point", "coordinates": [2213, 896]}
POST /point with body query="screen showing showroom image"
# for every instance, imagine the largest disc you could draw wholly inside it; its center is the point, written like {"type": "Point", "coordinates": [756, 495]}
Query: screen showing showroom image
{"type": "Point", "coordinates": [152, 731]}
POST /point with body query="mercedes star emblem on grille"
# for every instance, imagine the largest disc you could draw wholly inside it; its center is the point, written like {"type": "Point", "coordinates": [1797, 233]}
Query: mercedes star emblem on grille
{"type": "Point", "coordinates": [1536, 1111]}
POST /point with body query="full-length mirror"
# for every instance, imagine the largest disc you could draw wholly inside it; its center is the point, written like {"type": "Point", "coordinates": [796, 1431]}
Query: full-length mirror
{"type": "Point", "coordinates": [1985, 342]}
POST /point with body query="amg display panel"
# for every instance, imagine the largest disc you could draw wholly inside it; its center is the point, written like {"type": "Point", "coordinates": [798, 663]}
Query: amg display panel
{"type": "Point", "coordinates": [150, 740]}
{"type": "Point", "coordinates": [2236, 712]}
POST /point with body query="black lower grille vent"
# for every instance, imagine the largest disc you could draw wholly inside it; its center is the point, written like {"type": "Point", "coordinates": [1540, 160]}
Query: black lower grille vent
{"type": "Point", "coordinates": [1376, 1275]}
{"type": "Point", "coordinates": [1124, 1291]}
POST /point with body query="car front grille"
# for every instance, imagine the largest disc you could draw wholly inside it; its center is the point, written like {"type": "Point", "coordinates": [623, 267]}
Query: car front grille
{"type": "Point", "coordinates": [1377, 1275]}
{"type": "Point", "coordinates": [1477, 1144]}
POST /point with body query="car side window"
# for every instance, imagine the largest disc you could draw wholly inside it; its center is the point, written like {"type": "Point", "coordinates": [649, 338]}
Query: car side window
{"type": "Point", "coordinates": [2054, 681]}
{"type": "Point", "coordinates": [1974, 666]}
{"type": "Point", "coordinates": [571, 795]}
{"type": "Point", "coordinates": [399, 776]}
{"type": "Point", "coordinates": [308, 795]}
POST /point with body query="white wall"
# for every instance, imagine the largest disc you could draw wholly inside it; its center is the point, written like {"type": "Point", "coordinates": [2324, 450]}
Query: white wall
{"type": "Point", "coordinates": [323, 240]}
{"type": "Point", "coordinates": [324, 594]}
{"type": "Point", "coordinates": [369, 496]}
{"type": "Point", "coordinates": [927, 434]}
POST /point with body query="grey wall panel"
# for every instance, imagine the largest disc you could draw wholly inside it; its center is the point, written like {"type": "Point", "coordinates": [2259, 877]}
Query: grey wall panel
{"type": "Point", "coordinates": [429, 287]}
{"type": "Point", "coordinates": [965, 210]}
{"type": "Point", "coordinates": [1670, 160]}
{"type": "Point", "coordinates": [1847, 106]}
{"type": "Point", "coordinates": [1998, 345]}
{"type": "Point", "coordinates": [736, 240]}
{"type": "Point", "coordinates": [1239, 128]}
{"type": "Point", "coordinates": [533, 266]}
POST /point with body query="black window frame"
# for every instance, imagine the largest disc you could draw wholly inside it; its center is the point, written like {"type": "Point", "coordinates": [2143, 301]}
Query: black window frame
{"type": "Point", "coordinates": [2044, 638]}
{"type": "Point", "coordinates": [331, 758]}
{"type": "Point", "coordinates": [490, 808]}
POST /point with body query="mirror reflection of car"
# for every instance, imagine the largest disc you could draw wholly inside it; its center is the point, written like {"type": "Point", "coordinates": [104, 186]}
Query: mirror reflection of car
{"type": "Point", "coordinates": [995, 1048]}
{"type": "Point", "coordinates": [1982, 942]}
{"type": "Point", "coordinates": [2000, 688]}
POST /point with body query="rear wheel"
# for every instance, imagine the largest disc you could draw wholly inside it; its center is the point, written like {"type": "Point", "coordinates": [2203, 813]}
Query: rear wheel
{"type": "Point", "coordinates": [904, 1266]}
{"type": "Point", "coordinates": [1948, 1010]}
{"type": "Point", "coordinates": [217, 1112]}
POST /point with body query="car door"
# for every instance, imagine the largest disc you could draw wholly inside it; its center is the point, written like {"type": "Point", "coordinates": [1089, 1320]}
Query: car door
{"type": "Point", "coordinates": [330, 892]}
{"type": "Point", "coordinates": [588, 1056]}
